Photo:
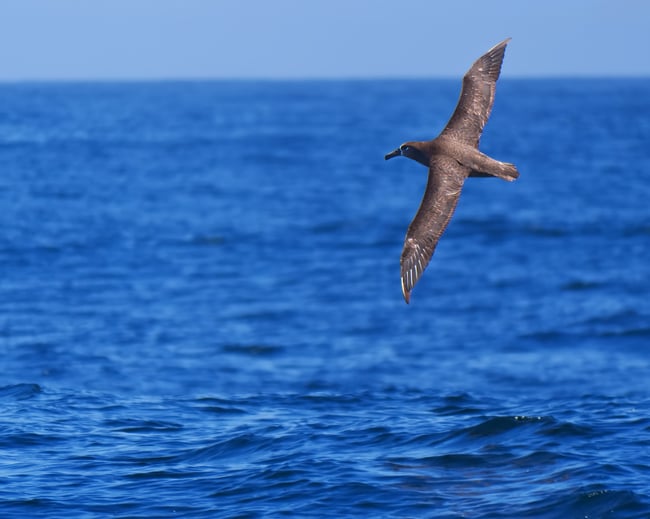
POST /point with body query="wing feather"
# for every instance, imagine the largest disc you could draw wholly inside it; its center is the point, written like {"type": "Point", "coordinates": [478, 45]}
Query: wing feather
{"type": "Point", "coordinates": [441, 195]}
{"type": "Point", "coordinates": [476, 97]}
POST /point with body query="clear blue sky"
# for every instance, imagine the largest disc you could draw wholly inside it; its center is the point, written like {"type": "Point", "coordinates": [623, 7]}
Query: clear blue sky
{"type": "Point", "coordinates": [143, 39]}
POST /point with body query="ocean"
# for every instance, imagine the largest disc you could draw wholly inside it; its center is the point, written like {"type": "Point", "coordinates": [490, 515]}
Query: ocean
{"type": "Point", "coordinates": [201, 313]}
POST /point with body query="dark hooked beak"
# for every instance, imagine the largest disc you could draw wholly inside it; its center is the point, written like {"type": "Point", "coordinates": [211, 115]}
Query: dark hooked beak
{"type": "Point", "coordinates": [395, 153]}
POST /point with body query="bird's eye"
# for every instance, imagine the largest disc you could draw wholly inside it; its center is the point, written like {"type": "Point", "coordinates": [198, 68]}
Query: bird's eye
{"type": "Point", "coordinates": [405, 148]}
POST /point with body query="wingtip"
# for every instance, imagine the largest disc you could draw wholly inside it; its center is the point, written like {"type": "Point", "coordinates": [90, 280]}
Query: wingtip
{"type": "Point", "coordinates": [499, 46]}
{"type": "Point", "coordinates": [406, 293]}
{"type": "Point", "coordinates": [488, 66]}
{"type": "Point", "coordinates": [504, 42]}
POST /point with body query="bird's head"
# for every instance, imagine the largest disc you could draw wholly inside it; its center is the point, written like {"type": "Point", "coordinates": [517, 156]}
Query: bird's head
{"type": "Point", "coordinates": [412, 150]}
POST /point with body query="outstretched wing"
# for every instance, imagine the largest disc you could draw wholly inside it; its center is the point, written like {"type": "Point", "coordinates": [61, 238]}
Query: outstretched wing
{"type": "Point", "coordinates": [445, 182]}
{"type": "Point", "coordinates": [476, 97]}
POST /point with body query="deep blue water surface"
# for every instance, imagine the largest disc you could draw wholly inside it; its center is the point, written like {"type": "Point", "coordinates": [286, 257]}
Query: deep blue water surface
{"type": "Point", "coordinates": [201, 316]}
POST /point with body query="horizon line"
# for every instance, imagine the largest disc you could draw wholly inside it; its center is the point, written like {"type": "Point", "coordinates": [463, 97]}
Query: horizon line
{"type": "Point", "coordinates": [327, 78]}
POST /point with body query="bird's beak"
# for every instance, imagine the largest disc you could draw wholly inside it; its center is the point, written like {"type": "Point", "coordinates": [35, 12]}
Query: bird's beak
{"type": "Point", "coordinates": [395, 153]}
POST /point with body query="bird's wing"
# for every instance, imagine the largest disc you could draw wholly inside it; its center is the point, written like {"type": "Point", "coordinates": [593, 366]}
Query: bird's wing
{"type": "Point", "coordinates": [476, 97]}
{"type": "Point", "coordinates": [441, 195]}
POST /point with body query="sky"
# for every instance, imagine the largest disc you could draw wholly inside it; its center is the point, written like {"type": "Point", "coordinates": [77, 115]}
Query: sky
{"type": "Point", "coordinates": [197, 39]}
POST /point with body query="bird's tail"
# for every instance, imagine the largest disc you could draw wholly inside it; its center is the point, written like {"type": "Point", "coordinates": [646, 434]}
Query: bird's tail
{"type": "Point", "coordinates": [506, 171]}
{"type": "Point", "coordinates": [484, 166]}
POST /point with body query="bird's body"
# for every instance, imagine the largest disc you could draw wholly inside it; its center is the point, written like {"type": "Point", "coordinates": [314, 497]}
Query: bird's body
{"type": "Point", "coordinates": [451, 158]}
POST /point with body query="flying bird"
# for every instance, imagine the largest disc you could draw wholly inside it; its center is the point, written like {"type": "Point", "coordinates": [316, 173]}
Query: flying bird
{"type": "Point", "coordinates": [451, 158]}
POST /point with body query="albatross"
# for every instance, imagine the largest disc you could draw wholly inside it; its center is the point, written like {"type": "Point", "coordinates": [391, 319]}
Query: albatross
{"type": "Point", "coordinates": [451, 157]}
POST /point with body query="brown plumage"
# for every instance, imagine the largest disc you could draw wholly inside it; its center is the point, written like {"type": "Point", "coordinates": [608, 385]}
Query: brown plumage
{"type": "Point", "coordinates": [451, 158]}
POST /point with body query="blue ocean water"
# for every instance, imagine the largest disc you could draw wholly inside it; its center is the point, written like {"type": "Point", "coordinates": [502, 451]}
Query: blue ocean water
{"type": "Point", "coordinates": [201, 315]}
